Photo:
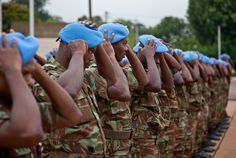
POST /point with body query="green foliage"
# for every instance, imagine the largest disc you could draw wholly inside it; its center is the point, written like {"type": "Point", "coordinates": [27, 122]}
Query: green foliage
{"type": "Point", "coordinates": [38, 4]}
{"type": "Point", "coordinates": [41, 14]}
{"type": "Point", "coordinates": [13, 12]}
{"type": "Point", "coordinates": [204, 17]}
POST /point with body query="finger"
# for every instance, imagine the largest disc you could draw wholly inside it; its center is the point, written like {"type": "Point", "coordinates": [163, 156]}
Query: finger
{"type": "Point", "coordinates": [94, 25]}
{"type": "Point", "coordinates": [105, 35]}
{"type": "Point", "coordinates": [155, 46]}
{"type": "Point", "coordinates": [111, 37]}
{"type": "Point", "coordinates": [5, 41]}
{"type": "Point", "coordinates": [148, 42]}
{"type": "Point", "coordinates": [14, 43]}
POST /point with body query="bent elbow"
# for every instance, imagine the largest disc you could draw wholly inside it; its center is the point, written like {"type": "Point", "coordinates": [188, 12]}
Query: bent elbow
{"type": "Point", "coordinates": [119, 94]}
{"type": "Point", "coordinates": [153, 88]}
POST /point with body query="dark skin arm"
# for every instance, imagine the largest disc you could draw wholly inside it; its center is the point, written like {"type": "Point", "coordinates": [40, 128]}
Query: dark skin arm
{"type": "Point", "coordinates": [185, 72]}
{"type": "Point", "coordinates": [153, 74]}
{"type": "Point", "coordinates": [19, 130]}
{"type": "Point", "coordinates": [137, 67]}
{"type": "Point", "coordinates": [172, 62]}
{"type": "Point", "coordinates": [40, 59]}
{"type": "Point", "coordinates": [195, 65]}
{"type": "Point", "coordinates": [166, 76]}
{"type": "Point", "coordinates": [203, 72]}
{"type": "Point", "coordinates": [72, 79]}
{"type": "Point", "coordinates": [193, 74]}
{"type": "Point", "coordinates": [69, 113]}
{"type": "Point", "coordinates": [119, 90]}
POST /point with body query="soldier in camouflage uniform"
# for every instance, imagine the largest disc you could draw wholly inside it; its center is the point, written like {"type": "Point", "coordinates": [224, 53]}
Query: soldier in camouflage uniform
{"type": "Point", "coordinates": [18, 133]}
{"type": "Point", "coordinates": [116, 113]}
{"type": "Point", "coordinates": [86, 139]}
{"type": "Point", "coordinates": [147, 117]}
{"type": "Point", "coordinates": [182, 98]}
{"type": "Point", "coordinates": [195, 101]}
{"type": "Point", "coordinates": [168, 105]}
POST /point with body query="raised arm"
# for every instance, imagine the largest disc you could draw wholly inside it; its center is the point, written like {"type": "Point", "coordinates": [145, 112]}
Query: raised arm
{"type": "Point", "coordinates": [137, 67]}
{"type": "Point", "coordinates": [62, 102]}
{"type": "Point", "coordinates": [23, 129]}
{"type": "Point", "coordinates": [166, 76]}
{"type": "Point", "coordinates": [153, 74]}
{"type": "Point", "coordinates": [119, 90]}
{"type": "Point", "coordinates": [72, 79]}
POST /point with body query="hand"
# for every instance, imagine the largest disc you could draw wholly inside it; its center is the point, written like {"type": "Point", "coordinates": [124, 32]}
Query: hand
{"type": "Point", "coordinates": [149, 48]}
{"type": "Point", "coordinates": [78, 47]}
{"type": "Point", "coordinates": [107, 44]}
{"type": "Point", "coordinates": [10, 59]}
{"type": "Point", "coordinates": [90, 24]}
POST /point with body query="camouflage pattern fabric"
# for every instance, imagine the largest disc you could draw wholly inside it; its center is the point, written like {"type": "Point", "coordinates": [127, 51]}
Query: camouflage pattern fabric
{"type": "Point", "coordinates": [195, 106]}
{"type": "Point", "coordinates": [167, 139]}
{"type": "Point", "coordinates": [115, 115]}
{"type": "Point", "coordinates": [83, 140]}
{"type": "Point", "coordinates": [201, 118]}
{"type": "Point", "coordinates": [148, 122]}
{"type": "Point", "coordinates": [20, 152]}
{"type": "Point", "coordinates": [182, 132]}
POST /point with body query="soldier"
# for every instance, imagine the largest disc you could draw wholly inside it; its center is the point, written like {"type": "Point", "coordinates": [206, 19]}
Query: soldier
{"type": "Point", "coordinates": [182, 97]}
{"type": "Point", "coordinates": [115, 113]}
{"type": "Point", "coordinates": [146, 113]}
{"type": "Point", "coordinates": [86, 139]}
{"type": "Point", "coordinates": [20, 120]}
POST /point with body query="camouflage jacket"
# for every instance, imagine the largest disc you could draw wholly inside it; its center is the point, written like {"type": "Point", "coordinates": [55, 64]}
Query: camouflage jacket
{"type": "Point", "coordinates": [86, 138]}
{"type": "Point", "coordinates": [20, 152]}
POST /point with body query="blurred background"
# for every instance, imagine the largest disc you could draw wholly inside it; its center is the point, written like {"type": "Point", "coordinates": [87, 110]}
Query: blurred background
{"type": "Point", "coordinates": [200, 25]}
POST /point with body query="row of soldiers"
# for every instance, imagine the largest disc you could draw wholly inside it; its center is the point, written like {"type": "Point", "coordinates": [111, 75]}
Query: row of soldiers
{"type": "Point", "coordinates": [96, 97]}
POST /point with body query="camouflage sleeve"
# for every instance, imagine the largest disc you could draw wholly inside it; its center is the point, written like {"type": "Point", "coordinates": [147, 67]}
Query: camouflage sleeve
{"type": "Point", "coordinates": [48, 114]}
{"type": "Point", "coordinates": [96, 82]}
{"type": "Point", "coordinates": [3, 115]}
{"type": "Point", "coordinates": [132, 81]}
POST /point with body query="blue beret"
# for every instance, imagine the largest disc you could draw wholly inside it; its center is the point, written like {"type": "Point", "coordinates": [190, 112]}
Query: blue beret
{"type": "Point", "coordinates": [27, 46]}
{"type": "Point", "coordinates": [75, 31]}
{"type": "Point", "coordinates": [224, 56]}
{"type": "Point", "coordinates": [136, 47]}
{"type": "Point", "coordinates": [119, 30]}
{"type": "Point", "coordinates": [161, 48]}
{"type": "Point", "coordinates": [177, 51]}
{"type": "Point", "coordinates": [189, 56]}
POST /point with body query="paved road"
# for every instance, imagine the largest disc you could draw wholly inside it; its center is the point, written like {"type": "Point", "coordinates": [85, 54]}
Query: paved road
{"type": "Point", "coordinates": [46, 44]}
{"type": "Point", "coordinates": [232, 92]}
{"type": "Point", "coordinates": [227, 146]}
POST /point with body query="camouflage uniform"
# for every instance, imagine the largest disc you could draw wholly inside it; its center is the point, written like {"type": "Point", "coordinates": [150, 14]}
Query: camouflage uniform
{"type": "Point", "coordinates": [201, 115]}
{"type": "Point", "coordinates": [182, 133]}
{"type": "Point", "coordinates": [147, 124]}
{"type": "Point", "coordinates": [115, 116]}
{"type": "Point", "coordinates": [195, 106]}
{"type": "Point", "coordinates": [20, 152]}
{"type": "Point", "coordinates": [83, 140]}
{"type": "Point", "coordinates": [168, 107]}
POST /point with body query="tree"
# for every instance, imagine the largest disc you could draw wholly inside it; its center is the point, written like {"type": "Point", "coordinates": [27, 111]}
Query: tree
{"type": "Point", "coordinates": [38, 4]}
{"type": "Point", "coordinates": [170, 27]}
{"type": "Point", "coordinates": [204, 17]}
{"type": "Point", "coordinates": [13, 12]}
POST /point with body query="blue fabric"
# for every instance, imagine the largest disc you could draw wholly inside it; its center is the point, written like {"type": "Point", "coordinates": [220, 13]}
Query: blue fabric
{"type": "Point", "coordinates": [189, 56]}
{"type": "Point", "coordinates": [136, 47]}
{"type": "Point", "coordinates": [224, 56]}
{"type": "Point", "coordinates": [177, 51]}
{"type": "Point", "coordinates": [143, 39]}
{"type": "Point", "coordinates": [75, 31]}
{"type": "Point", "coordinates": [27, 46]}
{"type": "Point", "coordinates": [119, 30]}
